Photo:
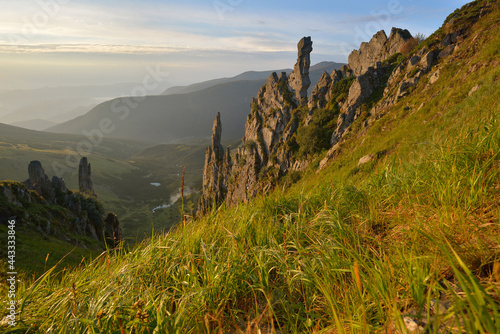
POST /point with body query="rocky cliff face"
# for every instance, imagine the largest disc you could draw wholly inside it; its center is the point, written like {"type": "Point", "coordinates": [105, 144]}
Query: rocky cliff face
{"type": "Point", "coordinates": [55, 210]}
{"type": "Point", "coordinates": [378, 49]}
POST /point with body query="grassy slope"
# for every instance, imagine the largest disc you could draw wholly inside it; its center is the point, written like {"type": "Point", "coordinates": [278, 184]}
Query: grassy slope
{"type": "Point", "coordinates": [346, 250]}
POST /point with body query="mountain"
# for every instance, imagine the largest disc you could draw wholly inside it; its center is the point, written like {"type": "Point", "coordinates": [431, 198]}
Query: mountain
{"type": "Point", "coordinates": [372, 209]}
{"type": "Point", "coordinates": [57, 104]}
{"type": "Point", "coordinates": [35, 124]}
{"type": "Point", "coordinates": [315, 73]}
{"type": "Point", "coordinates": [178, 117]}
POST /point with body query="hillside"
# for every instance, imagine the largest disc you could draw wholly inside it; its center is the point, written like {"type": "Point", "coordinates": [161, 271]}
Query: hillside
{"type": "Point", "coordinates": [390, 225]}
{"type": "Point", "coordinates": [179, 117]}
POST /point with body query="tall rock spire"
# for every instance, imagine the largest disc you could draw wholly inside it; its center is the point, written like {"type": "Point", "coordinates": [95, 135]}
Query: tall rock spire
{"type": "Point", "coordinates": [299, 78]}
{"type": "Point", "coordinates": [216, 171]}
{"type": "Point", "coordinates": [85, 182]}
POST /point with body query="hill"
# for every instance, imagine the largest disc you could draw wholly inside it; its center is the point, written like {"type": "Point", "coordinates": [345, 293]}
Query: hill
{"type": "Point", "coordinates": [396, 233]}
{"type": "Point", "coordinates": [178, 117]}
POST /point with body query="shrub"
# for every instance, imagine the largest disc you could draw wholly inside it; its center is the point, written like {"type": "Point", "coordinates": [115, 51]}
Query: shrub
{"type": "Point", "coordinates": [409, 45]}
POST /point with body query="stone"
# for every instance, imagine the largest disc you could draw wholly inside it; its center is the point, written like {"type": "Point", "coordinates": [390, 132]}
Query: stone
{"type": "Point", "coordinates": [318, 94]}
{"type": "Point", "coordinates": [39, 181]}
{"type": "Point", "coordinates": [414, 60]}
{"type": "Point", "coordinates": [378, 49]}
{"type": "Point", "coordinates": [411, 325]}
{"type": "Point", "coordinates": [434, 77]}
{"type": "Point", "coordinates": [427, 60]}
{"type": "Point", "coordinates": [365, 159]}
{"type": "Point", "coordinates": [85, 182]}
{"type": "Point", "coordinates": [446, 51]}
{"type": "Point", "coordinates": [361, 89]}
{"type": "Point", "coordinates": [299, 80]}
{"type": "Point", "coordinates": [473, 90]}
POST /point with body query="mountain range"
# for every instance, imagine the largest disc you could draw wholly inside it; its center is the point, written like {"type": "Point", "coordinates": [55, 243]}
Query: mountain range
{"type": "Point", "coordinates": [181, 113]}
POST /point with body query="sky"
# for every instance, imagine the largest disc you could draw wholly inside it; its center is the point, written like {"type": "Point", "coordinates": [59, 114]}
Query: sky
{"type": "Point", "coordinates": [50, 43]}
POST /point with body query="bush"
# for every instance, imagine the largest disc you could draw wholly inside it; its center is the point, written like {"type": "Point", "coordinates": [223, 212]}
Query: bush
{"type": "Point", "coordinates": [316, 136]}
{"type": "Point", "coordinates": [409, 45]}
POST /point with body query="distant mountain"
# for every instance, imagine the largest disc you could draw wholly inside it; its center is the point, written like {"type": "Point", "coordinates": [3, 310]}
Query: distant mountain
{"type": "Point", "coordinates": [187, 115]}
{"type": "Point", "coordinates": [58, 104]}
{"type": "Point", "coordinates": [315, 74]}
{"type": "Point", "coordinates": [171, 118]}
{"type": "Point", "coordinates": [35, 124]}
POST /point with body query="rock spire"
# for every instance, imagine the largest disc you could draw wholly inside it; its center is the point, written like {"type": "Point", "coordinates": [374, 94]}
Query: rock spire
{"type": "Point", "coordinates": [85, 182]}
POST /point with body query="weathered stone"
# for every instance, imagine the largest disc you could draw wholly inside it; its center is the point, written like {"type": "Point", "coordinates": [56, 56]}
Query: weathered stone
{"type": "Point", "coordinates": [299, 80]}
{"type": "Point", "coordinates": [414, 60]}
{"type": "Point", "coordinates": [39, 181]}
{"type": "Point", "coordinates": [446, 51]}
{"type": "Point", "coordinates": [365, 159]}
{"type": "Point", "coordinates": [85, 182]}
{"type": "Point", "coordinates": [434, 77]}
{"type": "Point", "coordinates": [473, 90]}
{"type": "Point", "coordinates": [361, 89]}
{"type": "Point", "coordinates": [378, 49]}
{"type": "Point", "coordinates": [427, 60]}
{"type": "Point", "coordinates": [318, 95]}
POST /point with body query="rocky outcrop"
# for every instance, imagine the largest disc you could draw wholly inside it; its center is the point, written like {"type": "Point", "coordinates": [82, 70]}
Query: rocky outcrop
{"type": "Point", "coordinates": [379, 48]}
{"type": "Point", "coordinates": [299, 80]}
{"type": "Point", "coordinates": [216, 171]}
{"type": "Point", "coordinates": [39, 181]}
{"type": "Point", "coordinates": [322, 92]}
{"type": "Point", "coordinates": [361, 90]}
{"type": "Point", "coordinates": [59, 211]}
{"type": "Point", "coordinates": [268, 130]}
{"type": "Point", "coordinates": [85, 182]}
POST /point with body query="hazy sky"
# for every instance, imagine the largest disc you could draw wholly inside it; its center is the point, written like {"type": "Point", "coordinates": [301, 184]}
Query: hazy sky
{"type": "Point", "coordinates": [73, 42]}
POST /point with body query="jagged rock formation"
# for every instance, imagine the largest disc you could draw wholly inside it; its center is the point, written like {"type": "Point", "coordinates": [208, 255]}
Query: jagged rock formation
{"type": "Point", "coordinates": [361, 89]}
{"type": "Point", "coordinates": [268, 130]}
{"type": "Point", "coordinates": [85, 182]}
{"type": "Point", "coordinates": [76, 212]}
{"type": "Point", "coordinates": [376, 77]}
{"type": "Point", "coordinates": [322, 92]}
{"type": "Point", "coordinates": [39, 181]}
{"type": "Point", "coordinates": [216, 170]}
{"type": "Point", "coordinates": [377, 49]}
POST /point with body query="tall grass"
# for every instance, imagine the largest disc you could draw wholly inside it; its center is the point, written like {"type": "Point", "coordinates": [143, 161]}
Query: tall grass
{"type": "Point", "coordinates": [336, 258]}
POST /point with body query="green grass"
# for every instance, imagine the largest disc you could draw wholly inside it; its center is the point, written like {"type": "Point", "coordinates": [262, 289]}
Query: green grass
{"type": "Point", "coordinates": [334, 252]}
